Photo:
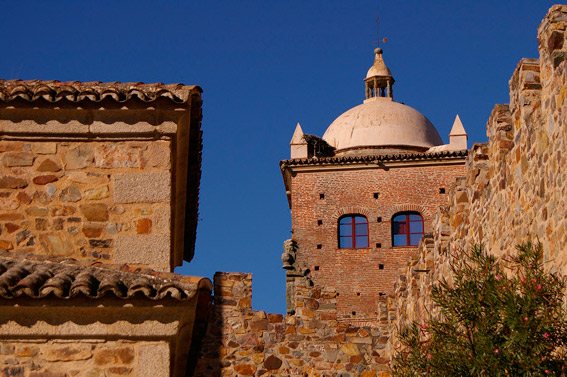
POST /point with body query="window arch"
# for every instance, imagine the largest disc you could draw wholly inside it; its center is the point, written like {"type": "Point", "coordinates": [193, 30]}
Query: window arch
{"type": "Point", "coordinates": [353, 232]}
{"type": "Point", "coordinates": [407, 229]}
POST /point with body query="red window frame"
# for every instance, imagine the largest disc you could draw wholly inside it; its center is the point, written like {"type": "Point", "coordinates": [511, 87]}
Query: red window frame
{"type": "Point", "coordinates": [402, 224]}
{"type": "Point", "coordinates": [351, 228]}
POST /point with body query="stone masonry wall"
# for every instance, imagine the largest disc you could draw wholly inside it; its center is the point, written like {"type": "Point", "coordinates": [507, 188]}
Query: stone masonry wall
{"type": "Point", "coordinates": [83, 359]}
{"type": "Point", "coordinates": [244, 342]}
{"type": "Point", "coordinates": [108, 201]}
{"type": "Point", "coordinates": [515, 188]}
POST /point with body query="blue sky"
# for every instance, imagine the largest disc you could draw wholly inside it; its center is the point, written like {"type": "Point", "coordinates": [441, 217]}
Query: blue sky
{"type": "Point", "coordinates": [264, 66]}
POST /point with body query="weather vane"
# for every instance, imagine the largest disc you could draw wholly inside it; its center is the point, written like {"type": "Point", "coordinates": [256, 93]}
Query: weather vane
{"type": "Point", "coordinates": [384, 40]}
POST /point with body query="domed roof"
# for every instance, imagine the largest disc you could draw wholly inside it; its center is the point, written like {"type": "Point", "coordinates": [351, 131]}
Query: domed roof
{"type": "Point", "coordinates": [381, 122]}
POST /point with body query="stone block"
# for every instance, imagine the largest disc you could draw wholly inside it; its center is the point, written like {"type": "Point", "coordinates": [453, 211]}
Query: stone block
{"type": "Point", "coordinates": [97, 193]}
{"type": "Point", "coordinates": [68, 353]}
{"type": "Point", "coordinates": [272, 363]}
{"type": "Point", "coordinates": [27, 351]}
{"type": "Point", "coordinates": [121, 128]}
{"type": "Point", "coordinates": [143, 226]}
{"type": "Point", "coordinates": [79, 157]}
{"type": "Point", "coordinates": [56, 244]}
{"type": "Point", "coordinates": [116, 355]}
{"type": "Point", "coordinates": [162, 220]}
{"type": "Point", "coordinates": [48, 166]}
{"type": "Point", "coordinates": [9, 182]}
{"type": "Point", "coordinates": [44, 179]}
{"type": "Point", "coordinates": [116, 156]}
{"type": "Point", "coordinates": [92, 230]}
{"type": "Point", "coordinates": [142, 187]}
{"type": "Point", "coordinates": [143, 249]}
{"type": "Point", "coordinates": [245, 369]}
{"type": "Point", "coordinates": [18, 159]}
{"type": "Point", "coordinates": [95, 211]}
{"type": "Point", "coordinates": [153, 360]}
{"type": "Point", "coordinates": [37, 211]}
{"type": "Point", "coordinates": [44, 147]}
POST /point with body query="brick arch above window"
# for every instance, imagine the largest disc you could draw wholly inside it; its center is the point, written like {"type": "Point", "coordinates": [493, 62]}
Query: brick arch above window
{"type": "Point", "coordinates": [351, 210]}
{"type": "Point", "coordinates": [424, 212]}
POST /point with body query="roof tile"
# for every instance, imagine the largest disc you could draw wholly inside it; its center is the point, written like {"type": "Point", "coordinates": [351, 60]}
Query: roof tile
{"type": "Point", "coordinates": [96, 91]}
{"type": "Point", "coordinates": [33, 276]}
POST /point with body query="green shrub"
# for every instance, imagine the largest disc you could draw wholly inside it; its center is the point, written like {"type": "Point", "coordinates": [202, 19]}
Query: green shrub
{"type": "Point", "coordinates": [497, 318]}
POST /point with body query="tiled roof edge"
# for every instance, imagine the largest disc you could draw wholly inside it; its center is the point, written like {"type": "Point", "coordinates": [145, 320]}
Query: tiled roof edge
{"type": "Point", "coordinates": [374, 158]}
{"type": "Point", "coordinates": [34, 276]}
{"type": "Point", "coordinates": [95, 91]}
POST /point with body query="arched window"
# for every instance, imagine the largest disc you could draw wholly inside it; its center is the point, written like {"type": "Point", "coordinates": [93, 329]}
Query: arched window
{"type": "Point", "coordinates": [407, 229]}
{"type": "Point", "coordinates": [353, 232]}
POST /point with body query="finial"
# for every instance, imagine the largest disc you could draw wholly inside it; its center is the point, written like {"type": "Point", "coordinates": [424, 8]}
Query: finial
{"type": "Point", "coordinates": [379, 80]}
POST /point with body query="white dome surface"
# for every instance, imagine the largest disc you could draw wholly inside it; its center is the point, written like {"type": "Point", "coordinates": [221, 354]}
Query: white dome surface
{"type": "Point", "coordinates": [380, 121]}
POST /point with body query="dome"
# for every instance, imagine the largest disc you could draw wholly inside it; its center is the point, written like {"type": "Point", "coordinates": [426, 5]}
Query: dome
{"type": "Point", "coordinates": [381, 122]}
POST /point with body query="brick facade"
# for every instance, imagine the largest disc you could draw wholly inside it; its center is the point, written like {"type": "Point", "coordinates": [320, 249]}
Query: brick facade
{"type": "Point", "coordinates": [320, 195]}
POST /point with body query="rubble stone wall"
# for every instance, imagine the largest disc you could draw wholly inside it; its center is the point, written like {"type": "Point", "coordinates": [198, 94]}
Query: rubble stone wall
{"type": "Point", "coordinates": [515, 188]}
{"type": "Point", "coordinates": [109, 201]}
{"type": "Point", "coordinates": [244, 342]}
{"type": "Point", "coordinates": [84, 358]}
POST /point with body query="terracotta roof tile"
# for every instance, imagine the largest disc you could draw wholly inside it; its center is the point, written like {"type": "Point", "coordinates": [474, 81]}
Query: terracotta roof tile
{"type": "Point", "coordinates": [33, 276]}
{"type": "Point", "coordinates": [96, 91]}
{"type": "Point", "coordinates": [374, 158]}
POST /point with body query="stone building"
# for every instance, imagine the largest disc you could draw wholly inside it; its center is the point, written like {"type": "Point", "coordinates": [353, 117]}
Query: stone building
{"type": "Point", "coordinates": [98, 203]}
{"type": "Point", "coordinates": [99, 191]}
{"type": "Point", "coordinates": [362, 196]}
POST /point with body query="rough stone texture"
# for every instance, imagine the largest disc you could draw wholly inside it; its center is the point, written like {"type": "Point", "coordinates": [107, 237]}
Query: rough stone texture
{"type": "Point", "coordinates": [82, 314]}
{"type": "Point", "coordinates": [153, 360]}
{"type": "Point", "coordinates": [153, 250]}
{"type": "Point", "coordinates": [515, 187]}
{"type": "Point", "coordinates": [63, 194]}
{"type": "Point", "coordinates": [244, 342]}
{"type": "Point", "coordinates": [140, 188]}
{"type": "Point", "coordinates": [60, 358]}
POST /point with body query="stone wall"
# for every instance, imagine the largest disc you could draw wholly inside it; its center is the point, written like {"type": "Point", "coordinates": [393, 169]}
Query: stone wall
{"type": "Point", "coordinates": [244, 342]}
{"type": "Point", "coordinates": [515, 188]}
{"type": "Point", "coordinates": [84, 359]}
{"type": "Point", "coordinates": [108, 201]}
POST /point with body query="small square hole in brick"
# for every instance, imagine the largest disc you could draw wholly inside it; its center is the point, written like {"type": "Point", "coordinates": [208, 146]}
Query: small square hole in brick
{"type": "Point", "coordinates": [321, 196]}
{"type": "Point", "coordinates": [353, 313]}
{"type": "Point", "coordinates": [379, 219]}
{"type": "Point", "coordinates": [316, 268]}
{"type": "Point", "coordinates": [378, 245]}
{"type": "Point", "coordinates": [442, 190]}
{"type": "Point", "coordinates": [381, 294]}
{"type": "Point", "coordinates": [319, 246]}
{"type": "Point", "coordinates": [358, 293]}
{"type": "Point", "coordinates": [376, 195]}
{"type": "Point", "coordinates": [319, 222]}
{"type": "Point", "coordinates": [380, 266]}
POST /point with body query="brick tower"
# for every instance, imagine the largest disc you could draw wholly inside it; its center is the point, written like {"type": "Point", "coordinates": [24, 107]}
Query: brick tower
{"type": "Point", "coordinates": [362, 196]}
